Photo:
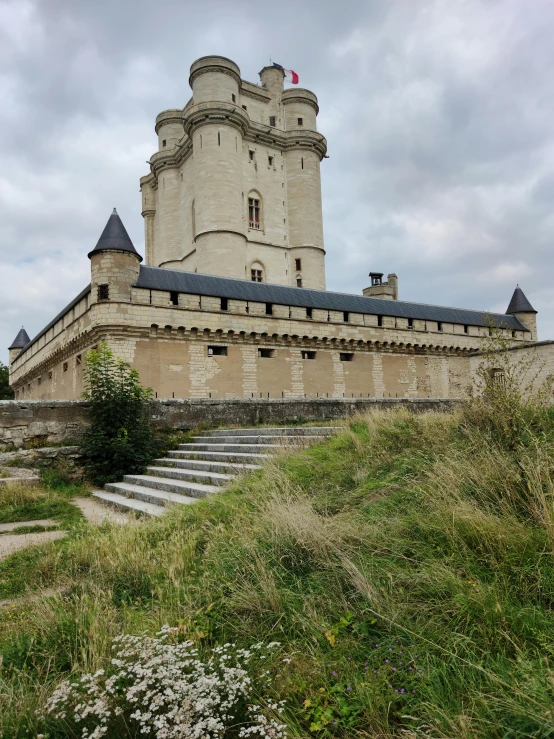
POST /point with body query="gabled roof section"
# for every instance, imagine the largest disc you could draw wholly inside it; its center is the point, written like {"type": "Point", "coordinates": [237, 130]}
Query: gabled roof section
{"type": "Point", "coordinates": [115, 237]}
{"type": "Point", "coordinates": [21, 340]}
{"type": "Point", "coordinates": [519, 303]}
{"type": "Point", "coordinates": [158, 278]}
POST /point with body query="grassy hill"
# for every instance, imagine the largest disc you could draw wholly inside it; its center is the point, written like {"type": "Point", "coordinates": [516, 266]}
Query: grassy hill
{"type": "Point", "coordinates": [405, 566]}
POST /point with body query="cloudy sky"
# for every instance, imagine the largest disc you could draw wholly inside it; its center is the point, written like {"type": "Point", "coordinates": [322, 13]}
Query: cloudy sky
{"type": "Point", "coordinates": [439, 116]}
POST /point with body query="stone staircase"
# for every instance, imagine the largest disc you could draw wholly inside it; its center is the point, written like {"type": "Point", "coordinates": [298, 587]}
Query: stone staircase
{"type": "Point", "coordinates": [203, 467]}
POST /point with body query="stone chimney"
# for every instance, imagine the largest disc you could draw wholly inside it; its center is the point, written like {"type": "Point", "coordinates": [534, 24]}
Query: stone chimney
{"type": "Point", "coordinates": [378, 289]}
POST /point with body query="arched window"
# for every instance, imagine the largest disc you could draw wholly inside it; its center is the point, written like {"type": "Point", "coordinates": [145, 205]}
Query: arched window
{"type": "Point", "coordinates": [257, 272]}
{"type": "Point", "coordinates": [255, 210]}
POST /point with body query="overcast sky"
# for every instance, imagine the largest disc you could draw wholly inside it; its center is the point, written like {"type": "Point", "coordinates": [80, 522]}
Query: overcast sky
{"type": "Point", "coordinates": [439, 116]}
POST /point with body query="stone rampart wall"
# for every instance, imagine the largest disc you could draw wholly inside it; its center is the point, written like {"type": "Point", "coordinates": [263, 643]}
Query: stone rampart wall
{"type": "Point", "coordinates": [40, 423]}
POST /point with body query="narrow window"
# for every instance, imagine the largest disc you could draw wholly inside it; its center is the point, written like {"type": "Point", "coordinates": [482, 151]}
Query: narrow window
{"type": "Point", "coordinates": [254, 213]}
{"type": "Point", "coordinates": [219, 139]}
{"type": "Point", "coordinates": [269, 309]}
{"type": "Point", "coordinates": [270, 161]}
{"type": "Point", "coordinates": [40, 381]}
{"type": "Point", "coordinates": [513, 334]}
{"type": "Point", "coordinates": [346, 357]}
{"type": "Point", "coordinates": [164, 143]}
{"type": "Point", "coordinates": [298, 263]}
{"type": "Point", "coordinates": [379, 320]}
{"type": "Point", "coordinates": [65, 366]}
{"type": "Point", "coordinates": [217, 351]}
{"type": "Point", "coordinates": [233, 97]}
{"type": "Point", "coordinates": [439, 325]}
{"type": "Point", "coordinates": [466, 329]}
{"type": "Point", "coordinates": [256, 275]}
{"type": "Point", "coordinates": [224, 304]}
{"type": "Point", "coordinates": [251, 155]}
{"type": "Point", "coordinates": [345, 316]}
{"type": "Point", "coordinates": [308, 355]}
{"type": "Point", "coordinates": [272, 120]}
{"type": "Point", "coordinates": [410, 322]}
{"type": "Point", "coordinates": [174, 297]}
{"type": "Point", "coordinates": [200, 140]}
{"type": "Point", "coordinates": [50, 375]}
{"type": "Point", "coordinates": [244, 107]}
{"type": "Point", "coordinates": [298, 282]}
{"type": "Point", "coordinates": [78, 359]}
{"type": "Point", "coordinates": [309, 312]}
{"type": "Point", "coordinates": [300, 121]}
{"type": "Point", "coordinates": [103, 292]}
{"type": "Point", "coordinates": [302, 162]}
{"type": "Point", "coordinates": [266, 353]}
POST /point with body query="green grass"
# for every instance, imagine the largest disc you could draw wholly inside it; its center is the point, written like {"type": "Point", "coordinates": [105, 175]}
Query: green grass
{"type": "Point", "coordinates": [417, 533]}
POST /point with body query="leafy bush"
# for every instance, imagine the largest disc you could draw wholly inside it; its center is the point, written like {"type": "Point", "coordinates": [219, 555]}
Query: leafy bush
{"type": "Point", "coordinates": [163, 688]}
{"type": "Point", "coordinates": [119, 440]}
{"type": "Point", "coordinates": [6, 393]}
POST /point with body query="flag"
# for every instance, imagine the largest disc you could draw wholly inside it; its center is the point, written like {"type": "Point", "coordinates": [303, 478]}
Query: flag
{"type": "Point", "coordinates": [290, 75]}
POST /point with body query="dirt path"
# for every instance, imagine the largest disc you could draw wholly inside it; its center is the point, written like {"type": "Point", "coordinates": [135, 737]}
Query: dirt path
{"type": "Point", "coordinates": [46, 522]}
{"type": "Point", "coordinates": [96, 513]}
{"type": "Point", "coordinates": [10, 543]}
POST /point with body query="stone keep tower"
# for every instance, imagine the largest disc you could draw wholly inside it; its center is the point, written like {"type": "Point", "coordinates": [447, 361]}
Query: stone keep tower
{"type": "Point", "coordinates": [234, 188]}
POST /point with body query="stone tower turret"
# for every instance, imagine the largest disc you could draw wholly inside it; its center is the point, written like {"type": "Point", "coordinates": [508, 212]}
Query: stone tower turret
{"type": "Point", "coordinates": [20, 341]}
{"type": "Point", "coordinates": [114, 263]}
{"type": "Point", "coordinates": [522, 309]}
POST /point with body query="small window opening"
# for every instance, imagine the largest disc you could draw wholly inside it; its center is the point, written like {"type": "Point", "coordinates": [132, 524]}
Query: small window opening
{"type": "Point", "coordinates": [302, 162]}
{"type": "Point", "coordinates": [410, 322]}
{"type": "Point", "coordinates": [309, 312]}
{"type": "Point", "coordinates": [439, 325]}
{"type": "Point", "coordinates": [270, 161]}
{"type": "Point", "coordinates": [251, 155]}
{"type": "Point", "coordinates": [466, 328]}
{"type": "Point", "coordinates": [103, 292]}
{"type": "Point", "coordinates": [269, 309]}
{"type": "Point", "coordinates": [346, 357]}
{"type": "Point", "coordinates": [298, 282]}
{"type": "Point", "coordinates": [300, 121]}
{"type": "Point", "coordinates": [244, 107]}
{"type": "Point", "coordinates": [254, 214]}
{"type": "Point", "coordinates": [272, 120]}
{"type": "Point", "coordinates": [174, 297]}
{"type": "Point", "coordinates": [513, 334]}
{"type": "Point", "coordinates": [39, 380]}
{"type": "Point", "coordinates": [219, 139]}
{"type": "Point", "coordinates": [345, 316]}
{"type": "Point", "coordinates": [65, 366]}
{"type": "Point", "coordinates": [256, 275]}
{"type": "Point", "coordinates": [224, 304]}
{"type": "Point", "coordinates": [308, 355]}
{"type": "Point", "coordinates": [233, 97]}
{"type": "Point", "coordinates": [78, 359]}
{"type": "Point", "coordinates": [217, 351]}
{"type": "Point", "coordinates": [266, 353]}
{"type": "Point", "coordinates": [50, 375]}
{"type": "Point", "coordinates": [298, 263]}
{"type": "Point", "coordinates": [164, 142]}
{"type": "Point", "coordinates": [379, 320]}
{"type": "Point", "coordinates": [497, 377]}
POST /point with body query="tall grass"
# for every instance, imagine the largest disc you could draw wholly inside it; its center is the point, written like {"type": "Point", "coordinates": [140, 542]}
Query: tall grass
{"type": "Point", "coordinates": [419, 542]}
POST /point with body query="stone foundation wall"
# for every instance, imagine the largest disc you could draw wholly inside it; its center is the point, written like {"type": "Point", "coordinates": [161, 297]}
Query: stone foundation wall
{"type": "Point", "coordinates": [38, 423]}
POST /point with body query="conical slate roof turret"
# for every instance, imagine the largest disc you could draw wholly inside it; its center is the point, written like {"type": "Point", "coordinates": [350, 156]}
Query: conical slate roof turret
{"type": "Point", "coordinates": [115, 237]}
{"type": "Point", "coordinates": [21, 340]}
{"type": "Point", "coordinates": [519, 303]}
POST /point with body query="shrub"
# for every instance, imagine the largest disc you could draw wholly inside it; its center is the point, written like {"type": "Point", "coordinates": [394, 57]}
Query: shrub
{"type": "Point", "coordinates": [119, 440]}
{"type": "Point", "coordinates": [6, 393]}
{"type": "Point", "coordinates": [163, 688]}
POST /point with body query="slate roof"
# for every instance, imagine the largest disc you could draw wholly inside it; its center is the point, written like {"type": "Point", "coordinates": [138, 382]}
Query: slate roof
{"type": "Point", "coordinates": [21, 340]}
{"type": "Point", "coordinates": [158, 278]}
{"type": "Point", "coordinates": [115, 236]}
{"type": "Point", "coordinates": [519, 303]}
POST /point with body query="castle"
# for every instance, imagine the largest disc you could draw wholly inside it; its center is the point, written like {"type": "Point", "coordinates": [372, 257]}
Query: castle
{"type": "Point", "coordinates": [231, 299]}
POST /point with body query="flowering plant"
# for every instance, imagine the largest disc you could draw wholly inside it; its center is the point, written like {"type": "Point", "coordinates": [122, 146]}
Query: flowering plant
{"type": "Point", "coordinates": [162, 688]}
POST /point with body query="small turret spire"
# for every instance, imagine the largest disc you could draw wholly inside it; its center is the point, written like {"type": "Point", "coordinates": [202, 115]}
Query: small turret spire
{"type": "Point", "coordinates": [115, 237]}
{"type": "Point", "coordinates": [21, 340]}
{"type": "Point", "coordinates": [519, 303]}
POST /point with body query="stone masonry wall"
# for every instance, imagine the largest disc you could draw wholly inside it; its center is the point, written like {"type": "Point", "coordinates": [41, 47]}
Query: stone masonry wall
{"type": "Point", "coordinates": [39, 423]}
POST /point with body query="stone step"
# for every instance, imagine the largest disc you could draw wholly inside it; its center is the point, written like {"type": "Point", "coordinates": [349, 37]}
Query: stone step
{"type": "Point", "coordinates": [276, 431]}
{"type": "Point", "coordinates": [220, 456]}
{"type": "Point", "coordinates": [182, 487]}
{"type": "Point", "coordinates": [150, 494]}
{"type": "Point", "coordinates": [128, 504]}
{"type": "Point", "coordinates": [198, 464]}
{"type": "Point", "coordinates": [212, 447]}
{"type": "Point", "coordinates": [211, 478]}
{"type": "Point", "coordinates": [280, 440]}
